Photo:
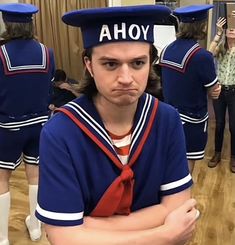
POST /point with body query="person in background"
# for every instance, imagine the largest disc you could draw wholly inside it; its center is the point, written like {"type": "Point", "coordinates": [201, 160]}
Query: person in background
{"type": "Point", "coordinates": [62, 90]}
{"type": "Point", "coordinates": [224, 51]}
{"type": "Point", "coordinates": [26, 71]}
{"type": "Point", "coordinates": [189, 76]}
{"type": "Point", "coordinates": [60, 75]}
{"type": "Point", "coordinates": [113, 164]}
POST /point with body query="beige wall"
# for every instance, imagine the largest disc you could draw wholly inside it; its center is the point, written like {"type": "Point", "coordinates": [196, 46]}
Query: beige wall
{"type": "Point", "coordinates": [136, 2]}
{"type": "Point", "coordinates": [8, 1]}
{"type": "Point", "coordinates": [189, 2]}
{"type": "Point", "coordinates": [1, 22]}
{"type": "Point", "coordinates": [112, 3]}
{"type": "Point", "coordinates": [129, 2]}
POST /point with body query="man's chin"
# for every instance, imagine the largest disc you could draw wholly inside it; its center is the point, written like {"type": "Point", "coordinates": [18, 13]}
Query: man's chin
{"type": "Point", "coordinates": [126, 101]}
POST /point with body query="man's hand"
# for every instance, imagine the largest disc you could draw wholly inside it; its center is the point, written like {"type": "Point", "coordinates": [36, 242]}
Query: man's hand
{"type": "Point", "coordinates": [182, 222]}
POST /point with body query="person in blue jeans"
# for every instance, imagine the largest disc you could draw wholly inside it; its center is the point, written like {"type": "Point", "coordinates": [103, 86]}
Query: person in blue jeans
{"type": "Point", "coordinates": [223, 48]}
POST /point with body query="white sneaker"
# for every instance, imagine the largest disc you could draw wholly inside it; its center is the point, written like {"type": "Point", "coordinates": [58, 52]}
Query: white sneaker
{"type": "Point", "coordinates": [35, 234]}
{"type": "Point", "coordinates": [5, 242]}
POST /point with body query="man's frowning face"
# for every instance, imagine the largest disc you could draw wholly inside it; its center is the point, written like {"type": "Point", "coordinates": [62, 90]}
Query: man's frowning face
{"type": "Point", "coordinates": [120, 70]}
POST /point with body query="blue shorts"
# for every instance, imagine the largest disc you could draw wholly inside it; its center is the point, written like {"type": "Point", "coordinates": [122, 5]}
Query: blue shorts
{"type": "Point", "coordinates": [196, 139]}
{"type": "Point", "coordinates": [19, 144]}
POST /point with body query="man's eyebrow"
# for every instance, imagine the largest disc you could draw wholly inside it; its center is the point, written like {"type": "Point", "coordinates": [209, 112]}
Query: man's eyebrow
{"type": "Point", "coordinates": [142, 57]}
{"type": "Point", "coordinates": [115, 59]}
{"type": "Point", "coordinates": [107, 58]}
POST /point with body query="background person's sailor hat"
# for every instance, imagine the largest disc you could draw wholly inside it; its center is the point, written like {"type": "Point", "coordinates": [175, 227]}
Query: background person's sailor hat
{"type": "Point", "coordinates": [192, 13]}
{"type": "Point", "coordinates": [128, 23]}
{"type": "Point", "coordinates": [18, 12]}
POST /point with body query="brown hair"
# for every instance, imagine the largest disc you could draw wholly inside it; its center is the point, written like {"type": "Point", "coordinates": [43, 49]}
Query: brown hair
{"type": "Point", "coordinates": [222, 48]}
{"type": "Point", "coordinates": [195, 30]}
{"type": "Point", "coordinates": [18, 30]}
{"type": "Point", "coordinates": [87, 84]}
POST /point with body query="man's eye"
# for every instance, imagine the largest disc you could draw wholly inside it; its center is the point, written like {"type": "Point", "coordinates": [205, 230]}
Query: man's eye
{"type": "Point", "coordinates": [138, 64]}
{"type": "Point", "coordinates": [110, 65]}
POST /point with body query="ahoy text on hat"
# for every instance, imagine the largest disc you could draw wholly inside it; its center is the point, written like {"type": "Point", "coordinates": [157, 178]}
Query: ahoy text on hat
{"type": "Point", "coordinates": [112, 24]}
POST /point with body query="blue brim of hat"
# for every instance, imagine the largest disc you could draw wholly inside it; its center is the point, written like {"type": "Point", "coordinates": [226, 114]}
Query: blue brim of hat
{"type": "Point", "coordinates": [18, 8]}
{"type": "Point", "coordinates": [193, 13]}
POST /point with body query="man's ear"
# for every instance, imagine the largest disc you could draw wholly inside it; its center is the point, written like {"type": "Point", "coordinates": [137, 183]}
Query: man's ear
{"type": "Point", "coordinates": [87, 63]}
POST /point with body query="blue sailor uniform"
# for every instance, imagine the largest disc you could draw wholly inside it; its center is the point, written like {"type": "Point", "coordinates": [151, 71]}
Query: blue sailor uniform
{"type": "Point", "coordinates": [26, 71]}
{"type": "Point", "coordinates": [81, 165]}
{"type": "Point", "coordinates": [187, 72]}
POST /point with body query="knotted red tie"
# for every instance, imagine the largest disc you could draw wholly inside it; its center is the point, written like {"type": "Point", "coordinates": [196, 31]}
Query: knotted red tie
{"type": "Point", "coordinates": [118, 197]}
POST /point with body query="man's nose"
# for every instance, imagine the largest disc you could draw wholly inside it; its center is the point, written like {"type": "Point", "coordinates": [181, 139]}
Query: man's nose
{"type": "Point", "coordinates": [125, 74]}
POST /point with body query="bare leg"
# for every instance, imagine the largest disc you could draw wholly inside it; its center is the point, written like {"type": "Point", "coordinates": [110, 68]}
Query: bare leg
{"type": "Point", "coordinates": [191, 164]}
{"type": "Point", "coordinates": [5, 200]}
{"type": "Point", "coordinates": [32, 223]}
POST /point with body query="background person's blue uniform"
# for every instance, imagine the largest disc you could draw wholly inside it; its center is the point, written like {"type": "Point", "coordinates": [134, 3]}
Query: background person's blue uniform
{"type": "Point", "coordinates": [187, 72]}
{"type": "Point", "coordinates": [26, 71]}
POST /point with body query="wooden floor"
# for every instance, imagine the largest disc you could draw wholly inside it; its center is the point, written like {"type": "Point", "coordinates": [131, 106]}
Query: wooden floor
{"type": "Point", "coordinates": [214, 190]}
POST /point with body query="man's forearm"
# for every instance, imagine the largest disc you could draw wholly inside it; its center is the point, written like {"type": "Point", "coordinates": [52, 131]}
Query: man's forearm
{"type": "Point", "coordinates": [142, 219]}
{"type": "Point", "coordinates": [177, 229]}
{"type": "Point", "coordinates": [86, 236]}
{"type": "Point", "coordinates": [145, 218]}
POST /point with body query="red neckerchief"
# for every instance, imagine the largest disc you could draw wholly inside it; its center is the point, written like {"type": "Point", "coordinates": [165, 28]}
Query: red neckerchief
{"type": "Point", "coordinates": [117, 199]}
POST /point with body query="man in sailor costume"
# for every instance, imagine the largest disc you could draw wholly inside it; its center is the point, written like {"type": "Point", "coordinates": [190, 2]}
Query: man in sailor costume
{"type": "Point", "coordinates": [26, 70]}
{"type": "Point", "coordinates": [188, 76]}
{"type": "Point", "coordinates": [113, 166]}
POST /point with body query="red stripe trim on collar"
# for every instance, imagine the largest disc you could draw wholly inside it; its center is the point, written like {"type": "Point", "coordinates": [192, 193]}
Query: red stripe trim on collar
{"type": "Point", "coordinates": [146, 133]}
{"type": "Point", "coordinates": [182, 70]}
{"type": "Point", "coordinates": [115, 160]}
{"type": "Point", "coordinates": [7, 72]}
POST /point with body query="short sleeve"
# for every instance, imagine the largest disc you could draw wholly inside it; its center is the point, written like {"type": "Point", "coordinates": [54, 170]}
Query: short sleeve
{"type": "Point", "coordinates": [60, 200]}
{"type": "Point", "coordinates": [206, 68]}
{"type": "Point", "coordinates": [176, 177]}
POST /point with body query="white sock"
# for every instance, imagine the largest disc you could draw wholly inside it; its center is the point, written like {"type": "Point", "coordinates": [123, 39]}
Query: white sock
{"type": "Point", "coordinates": [33, 192]}
{"type": "Point", "coordinates": [5, 202]}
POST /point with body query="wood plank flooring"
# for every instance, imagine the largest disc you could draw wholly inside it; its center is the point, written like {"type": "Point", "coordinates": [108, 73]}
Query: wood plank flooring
{"type": "Point", "coordinates": [18, 233]}
{"type": "Point", "coordinates": [214, 190]}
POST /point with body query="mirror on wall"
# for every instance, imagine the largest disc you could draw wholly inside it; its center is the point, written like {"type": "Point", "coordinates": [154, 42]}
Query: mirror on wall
{"type": "Point", "coordinates": [223, 9]}
{"type": "Point", "coordinates": [230, 14]}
